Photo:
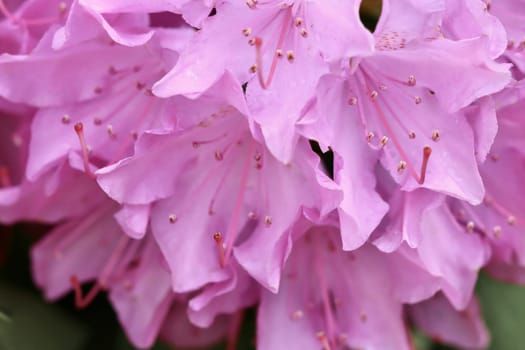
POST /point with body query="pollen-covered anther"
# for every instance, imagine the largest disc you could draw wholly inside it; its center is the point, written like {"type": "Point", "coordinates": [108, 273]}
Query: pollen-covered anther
{"type": "Point", "coordinates": [172, 218]}
{"type": "Point", "coordinates": [352, 101]}
{"type": "Point", "coordinates": [298, 21]}
{"type": "Point", "coordinates": [435, 135]}
{"type": "Point", "coordinates": [279, 53]}
{"type": "Point", "coordinates": [382, 87]}
{"type": "Point", "coordinates": [511, 220]}
{"type": "Point", "coordinates": [253, 68]}
{"type": "Point", "coordinates": [297, 315]}
{"type": "Point", "coordinates": [323, 339]}
{"type": "Point", "coordinates": [252, 215]}
{"type": "Point", "coordinates": [418, 100]}
{"type": "Point", "coordinates": [290, 56]}
{"type": "Point", "coordinates": [219, 156]}
{"type": "Point", "coordinates": [304, 33]}
{"type": "Point", "coordinates": [247, 31]}
{"type": "Point", "coordinates": [384, 140]}
{"type": "Point", "coordinates": [411, 80]}
{"type": "Point", "coordinates": [370, 136]}
{"type": "Point", "coordinates": [251, 3]}
{"type": "Point", "coordinates": [412, 135]}
{"type": "Point", "coordinates": [66, 119]}
{"type": "Point", "coordinates": [497, 231]}
{"type": "Point", "coordinates": [373, 95]}
{"type": "Point", "coordinates": [267, 220]}
{"type": "Point", "coordinates": [62, 7]}
{"type": "Point", "coordinates": [401, 166]}
{"type": "Point", "coordinates": [110, 131]}
{"type": "Point", "coordinates": [470, 226]}
{"type": "Point", "coordinates": [252, 41]}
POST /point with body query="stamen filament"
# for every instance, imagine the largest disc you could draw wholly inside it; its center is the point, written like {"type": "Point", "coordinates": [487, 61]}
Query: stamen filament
{"type": "Point", "coordinates": [427, 151]}
{"type": "Point", "coordinates": [100, 285]}
{"type": "Point", "coordinates": [79, 129]}
{"type": "Point", "coordinates": [83, 301]}
{"type": "Point", "coordinates": [232, 227]}
{"type": "Point", "coordinates": [235, 331]}
{"type": "Point", "coordinates": [217, 236]}
{"type": "Point", "coordinates": [258, 46]}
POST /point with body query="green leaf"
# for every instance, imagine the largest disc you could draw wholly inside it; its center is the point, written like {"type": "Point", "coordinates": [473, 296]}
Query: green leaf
{"type": "Point", "coordinates": [503, 307]}
{"type": "Point", "coordinates": [27, 322]}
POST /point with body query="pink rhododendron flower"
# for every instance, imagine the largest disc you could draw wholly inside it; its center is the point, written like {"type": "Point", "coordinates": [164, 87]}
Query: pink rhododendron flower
{"type": "Point", "coordinates": [199, 158]}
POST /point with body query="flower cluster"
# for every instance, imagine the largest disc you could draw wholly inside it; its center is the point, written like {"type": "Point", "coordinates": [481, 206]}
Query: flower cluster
{"type": "Point", "coordinates": [197, 158]}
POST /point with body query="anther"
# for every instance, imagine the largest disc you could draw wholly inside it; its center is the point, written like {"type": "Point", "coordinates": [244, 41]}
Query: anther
{"type": "Point", "coordinates": [324, 340]}
{"type": "Point", "coordinates": [253, 41]}
{"type": "Point", "coordinates": [65, 119]}
{"type": "Point", "coordinates": [80, 300]}
{"type": "Point", "coordinates": [279, 53]}
{"type": "Point", "coordinates": [497, 231]}
{"type": "Point", "coordinates": [435, 135]}
{"type": "Point", "coordinates": [298, 21]}
{"type": "Point", "coordinates": [373, 95]}
{"type": "Point", "coordinates": [253, 68]}
{"type": "Point", "coordinates": [246, 31]}
{"type": "Point", "coordinates": [290, 56]}
{"type": "Point", "coordinates": [79, 129]}
{"type": "Point", "coordinates": [401, 166]}
{"type": "Point", "coordinates": [411, 80]}
{"type": "Point", "coordinates": [140, 85]}
{"type": "Point", "coordinates": [97, 121]}
{"type": "Point", "coordinates": [470, 226]}
{"type": "Point", "coordinates": [172, 218]}
{"type": "Point", "coordinates": [511, 220]}
{"type": "Point", "coordinates": [110, 131]}
{"type": "Point", "coordinates": [217, 236]}
{"type": "Point", "coordinates": [251, 3]}
{"type": "Point", "coordinates": [297, 315]}
{"type": "Point", "coordinates": [352, 101]}
{"type": "Point", "coordinates": [384, 140]}
{"type": "Point", "coordinates": [370, 136]}
{"type": "Point", "coordinates": [252, 215]}
{"type": "Point", "coordinates": [382, 87]}
{"type": "Point", "coordinates": [62, 7]}
{"type": "Point", "coordinates": [427, 151]}
{"type": "Point", "coordinates": [418, 100]}
{"type": "Point", "coordinates": [219, 156]}
{"type": "Point", "coordinates": [304, 33]}
{"type": "Point", "coordinates": [267, 220]}
{"type": "Point", "coordinates": [412, 135]}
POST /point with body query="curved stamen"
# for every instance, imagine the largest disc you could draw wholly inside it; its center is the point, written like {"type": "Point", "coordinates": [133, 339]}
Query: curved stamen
{"type": "Point", "coordinates": [100, 285]}
{"type": "Point", "coordinates": [234, 222]}
{"type": "Point", "coordinates": [79, 129]}
{"type": "Point", "coordinates": [258, 50]}
{"type": "Point", "coordinates": [83, 301]}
